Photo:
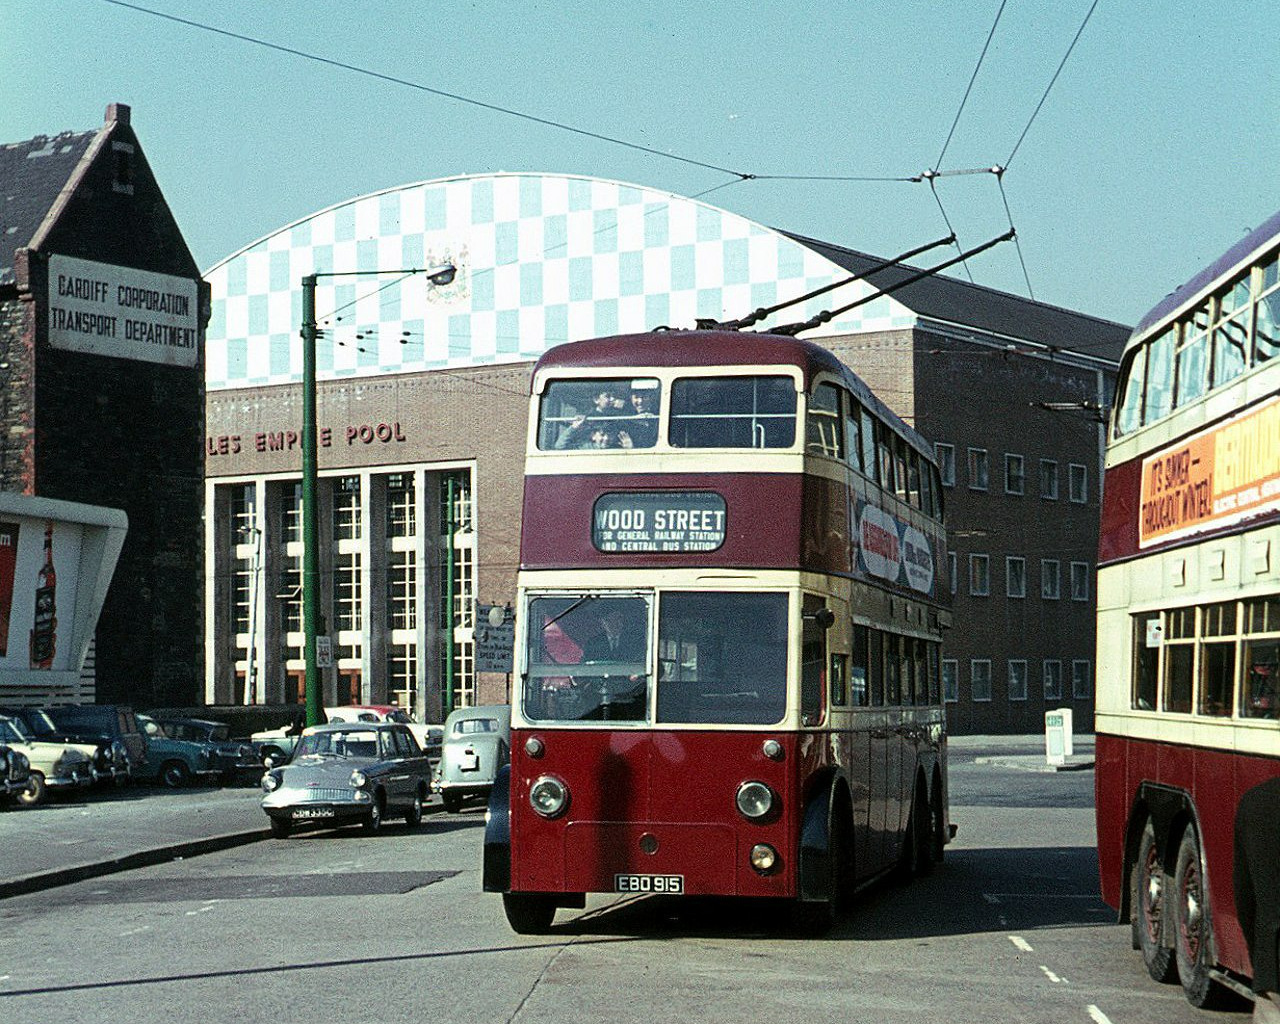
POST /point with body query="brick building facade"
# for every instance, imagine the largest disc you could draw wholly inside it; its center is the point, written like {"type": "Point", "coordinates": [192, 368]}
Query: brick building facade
{"type": "Point", "coordinates": [102, 315]}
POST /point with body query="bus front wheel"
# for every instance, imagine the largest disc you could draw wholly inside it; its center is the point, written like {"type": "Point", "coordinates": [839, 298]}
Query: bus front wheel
{"type": "Point", "coordinates": [528, 913]}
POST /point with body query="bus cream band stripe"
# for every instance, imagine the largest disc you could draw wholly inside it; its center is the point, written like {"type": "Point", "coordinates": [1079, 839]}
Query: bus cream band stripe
{"type": "Point", "coordinates": [1220, 476]}
{"type": "Point", "coordinates": [1260, 738]}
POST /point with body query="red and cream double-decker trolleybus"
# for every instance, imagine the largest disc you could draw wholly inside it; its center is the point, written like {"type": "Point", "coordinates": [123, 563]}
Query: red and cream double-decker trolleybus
{"type": "Point", "coordinates": [727, 646]}
{"type": "Point", "coordinates": [1188, 714]}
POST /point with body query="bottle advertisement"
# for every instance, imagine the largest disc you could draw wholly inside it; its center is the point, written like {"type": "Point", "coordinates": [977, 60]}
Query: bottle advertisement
{"type": "Point", "coordinates": [38, 559]}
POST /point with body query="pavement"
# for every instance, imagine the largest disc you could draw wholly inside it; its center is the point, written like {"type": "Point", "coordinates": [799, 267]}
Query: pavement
{"type": "Point", "coordinates": [1027, 753]}
{"type": "Point", "coordinates": [88, 835]}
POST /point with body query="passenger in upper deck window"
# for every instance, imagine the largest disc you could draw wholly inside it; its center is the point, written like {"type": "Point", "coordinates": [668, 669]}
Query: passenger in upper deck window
{"type": "Point", "coordinates": [640, 423]}
{"type": "Point", "coordinates": [580, 433]}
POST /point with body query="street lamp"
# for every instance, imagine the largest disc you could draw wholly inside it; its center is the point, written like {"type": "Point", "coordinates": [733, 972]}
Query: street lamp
{"type": "Point", "coordinates": [439, 275]}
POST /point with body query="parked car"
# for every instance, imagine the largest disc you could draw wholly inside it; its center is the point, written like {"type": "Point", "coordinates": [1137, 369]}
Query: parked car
{"type": "Point", "coordinates": [348, 772]}
{"type": "Point", "coordinates": [234, 761]}
{"type": "Point", "coordinates": [179, 754]}
{"type": "Point", "coordinates": [274, 746]}
{"type": "Point", "coordinates": [51, 766]}
{"type": "Point", "coordinates": [428, 736]}
{"type": "Point", "coordinates": [114, 723]}
{"type": "Point", "coordinates": [15, 772]}
{"type": "Point", "coordinates": [110, 758]}
{"type": "Point", "coordinates": [477, 742]}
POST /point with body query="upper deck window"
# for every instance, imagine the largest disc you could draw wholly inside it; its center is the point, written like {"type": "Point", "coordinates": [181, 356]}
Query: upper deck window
{"type": "Point", "coordinates": [822, 431]}
{"type": "Point", "coordinates": [733, 412]}
{"type": "Point", "coordinates": [594, 414]}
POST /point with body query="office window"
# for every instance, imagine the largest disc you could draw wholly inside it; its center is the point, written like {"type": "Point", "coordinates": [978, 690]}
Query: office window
{"type": "Point", "coordinates": [1015, 576]}
{"type": "Point", "coordinates": [1050, 579]}
{"type": "Point", "coordinates": [1017, 680]}
{"type": "Point", "coordinates": [1081, 680]}
{"type": "Point", "coordinates": [1079, 581]}
{"type": "Point", "coordinates": [1014, 474]}
{"type": "Point", "coordinates": [946, 463]}
{"type": "Point", "coordinates": [1049, 479]}
{"type": "Point", "coordinates": [1053, 680]}
{"type": "Point", "coordinates": [977, 469]}
{"type": "Point", "coordinates": [1078, 483]}
{"type": "Point", "coordinates": [980, 679]}
{"type": "Point", "coordinates": [979, 575]}
{"type": "Point", "coordinates": [950, 680]}
{"type": "Point", "coordinates": [955, 572]}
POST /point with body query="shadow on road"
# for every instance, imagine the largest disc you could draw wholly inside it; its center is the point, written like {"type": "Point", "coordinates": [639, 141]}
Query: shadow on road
{"type": "Point", "coordinates": [975, 890]}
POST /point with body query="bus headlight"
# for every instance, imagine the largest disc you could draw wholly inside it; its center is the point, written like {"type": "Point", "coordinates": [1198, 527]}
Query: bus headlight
{"type": "Point", "coordinates": [754, 800]}
{"type": "Point", "coordinates": [548, 796]}
{"type": "Point", "coordinates": [764, 858]}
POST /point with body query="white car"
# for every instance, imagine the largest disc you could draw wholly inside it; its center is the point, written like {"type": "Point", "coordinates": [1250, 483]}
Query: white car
{"type": "Point", "coordinates": [276, 745]}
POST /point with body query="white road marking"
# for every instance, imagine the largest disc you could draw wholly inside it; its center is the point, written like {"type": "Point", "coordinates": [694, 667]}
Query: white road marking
{"type": "Point", "coordinates": [1098, 1016]}
{"type": "Point", "coordinates": [1021, 943]}
{"type": "Point", "coordinates": [991, 898]}
{"type": "Point", "coordinates": [1051, 976]}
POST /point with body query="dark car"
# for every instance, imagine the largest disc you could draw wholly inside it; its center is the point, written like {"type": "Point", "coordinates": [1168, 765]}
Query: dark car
{"type": "Point", "coordinates": [228, 761]}
{"type": "Point", "coordinates": [109, 755]}
{"type": "Point", "coordinates": [114, 723]}
{"type": "Point", "coordinates": [349, 773]}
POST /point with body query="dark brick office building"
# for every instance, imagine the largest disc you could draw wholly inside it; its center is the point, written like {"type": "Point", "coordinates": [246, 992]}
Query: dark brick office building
{"type": "Point", "coordinates": [102, 317]}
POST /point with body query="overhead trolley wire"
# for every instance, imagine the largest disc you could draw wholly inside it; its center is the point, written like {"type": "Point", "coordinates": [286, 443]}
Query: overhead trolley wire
{"type": "Point", "coordinates": [482, 104]}
{"type": "Point", "coordinates": [972, 78]}
{"type": "Point", "coordinates": [1035, 113]}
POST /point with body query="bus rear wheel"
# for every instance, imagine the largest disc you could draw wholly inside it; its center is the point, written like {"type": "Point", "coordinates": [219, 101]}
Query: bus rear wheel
{"type": "Point", "coordinates": [1194, 929]}
{"type": "Point", "coordinates": [528, 913]}
{"type": "Point", "coordinates": [1146, 898]}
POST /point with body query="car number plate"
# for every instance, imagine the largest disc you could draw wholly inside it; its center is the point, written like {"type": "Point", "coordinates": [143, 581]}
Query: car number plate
{"type": "Point", "coordinates": [312, 812]}
{"type": "Point", "coordinates": [670, 885]}
{"type": "Point", "coordinates": [470, 763]}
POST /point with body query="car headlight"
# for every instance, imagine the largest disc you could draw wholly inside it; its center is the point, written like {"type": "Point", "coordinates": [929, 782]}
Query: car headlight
{"type": "Point", "coordinates": [270, 782]}
{"type": "Point", "coordinates": [548, 796]}
{"type": "Point", "coordinates": [119, 752]}
{"type": "Point", "coordinates": [358, 779]}
{"type": "Point", "coordinates": [754, 800]}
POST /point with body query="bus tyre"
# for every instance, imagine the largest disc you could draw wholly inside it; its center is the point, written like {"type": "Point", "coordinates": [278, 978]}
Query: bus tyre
{"type": "Point", "coordinates": [1192, 941]}
{"type": "Point", "coordinates": [528, 913]}
{"type": "Point", "coordinates": [923, 827]}
{"type": "Point", "coordinates": [937, 824]}
{"type": "Point", "coordinates": [1147, 882]}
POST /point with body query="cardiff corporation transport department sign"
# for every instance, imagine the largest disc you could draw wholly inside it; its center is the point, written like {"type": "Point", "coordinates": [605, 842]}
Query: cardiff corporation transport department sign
{"type": "Point", "coordinates": [107, 310]}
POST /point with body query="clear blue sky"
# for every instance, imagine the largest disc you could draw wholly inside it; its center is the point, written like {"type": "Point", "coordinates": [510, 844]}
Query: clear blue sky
{"type": "Point", "coordinates": [1156, 148]}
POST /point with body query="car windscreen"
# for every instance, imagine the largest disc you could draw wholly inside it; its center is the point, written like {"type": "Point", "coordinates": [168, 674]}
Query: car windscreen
{"type": "Point", "coordinates": [343, 743]}
{"type": "Point", "coordinates": [11, 732]}
{"type": "Point", "coordinates": [470, 726]}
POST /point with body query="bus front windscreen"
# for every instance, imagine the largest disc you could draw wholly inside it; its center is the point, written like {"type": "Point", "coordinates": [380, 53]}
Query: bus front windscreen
{"type": "Point", "coordinates": [721, 659]}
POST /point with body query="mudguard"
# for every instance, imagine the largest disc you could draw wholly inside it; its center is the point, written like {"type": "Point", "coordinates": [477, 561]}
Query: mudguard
{"type": "Point", "coordinates": [497, 834]}
{"type": "Point", "coordinates": [814, 880]}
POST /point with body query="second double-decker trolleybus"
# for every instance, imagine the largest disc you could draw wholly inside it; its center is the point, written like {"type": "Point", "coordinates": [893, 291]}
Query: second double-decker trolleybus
{"type": "Point", "coordinates": [730, 603]}
{"type": "Point", "coordinates": [1188, 708]}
